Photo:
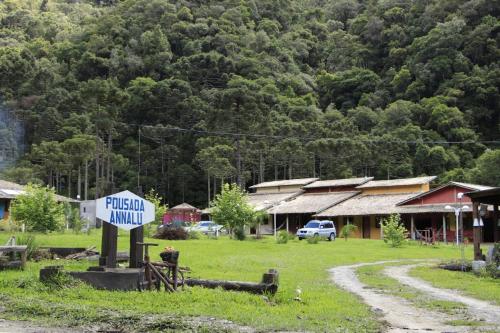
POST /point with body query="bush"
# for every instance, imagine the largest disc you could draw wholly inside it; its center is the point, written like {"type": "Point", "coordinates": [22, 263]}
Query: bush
{"type": "Point", "coordinates": [394, 231]}
{"type": "Point", "coordinates": [30, 242]}
{"type": "Point", "coordinates": [239, 233]}
{"type": "Point", "coordinates": [172, 234]}
{"type": "Point", "coordinates": [283, 237]}
{"type": "Point", "coordinates": [193, 234]}
{"type": "Point", "coordinates": [313, 240]}
{"type": "Point", "coordinates": [348, 230]}
{"type": "Point", "coordinates": [38, 209]}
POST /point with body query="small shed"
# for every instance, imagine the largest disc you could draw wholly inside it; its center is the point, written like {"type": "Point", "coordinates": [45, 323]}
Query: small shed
{"type": "Point", "coordinates": [183, 213]}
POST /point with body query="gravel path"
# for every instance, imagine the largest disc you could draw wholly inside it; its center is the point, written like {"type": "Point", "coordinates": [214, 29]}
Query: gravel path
{"type": "Point", "coordinates": [7, 326]}
{"type": "Point", "coordinates": [399, 314]}
{"type": "Point", "coordinates": [482, 310]}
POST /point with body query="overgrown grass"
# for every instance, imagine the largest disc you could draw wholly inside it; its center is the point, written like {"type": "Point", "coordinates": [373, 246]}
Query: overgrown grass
{"type": "Point", "coordinates": [375, 278]}
{"type": "Point", "coordinates": [323, 308]}
{"type": "Point", "coordinates": [485, 288]}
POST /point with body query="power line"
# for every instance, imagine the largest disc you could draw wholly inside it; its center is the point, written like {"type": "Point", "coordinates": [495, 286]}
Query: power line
{"type": "Point", "coordinates": [281, 137]}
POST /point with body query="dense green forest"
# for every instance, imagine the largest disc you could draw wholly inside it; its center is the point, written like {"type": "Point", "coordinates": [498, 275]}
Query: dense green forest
{"type": "Point", "coordinates": [181, 96]}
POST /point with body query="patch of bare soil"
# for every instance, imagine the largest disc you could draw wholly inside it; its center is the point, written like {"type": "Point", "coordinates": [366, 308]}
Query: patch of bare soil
{"type": "Point", "coordinates": [7, 326]}
{"type": "Point", "coordinates": [398, 314]}
{"type": "Point", "coordinates": [481, 310]}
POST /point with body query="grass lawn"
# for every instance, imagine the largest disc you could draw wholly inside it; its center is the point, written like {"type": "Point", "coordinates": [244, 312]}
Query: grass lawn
{"type": "Point", "coordinates": [485, 288]}
{"type": "Point", "coordinates": [324, 306]}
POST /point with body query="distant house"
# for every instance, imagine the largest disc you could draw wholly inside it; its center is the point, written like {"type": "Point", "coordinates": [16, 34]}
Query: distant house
{"type": "Point", "coordinates": [376, 199]}
{"type": "Point", "coordinates": [427, 211]}
{"type": "Point", "coordinates": [9, 191]}
{"type": "Point", "coordinates": [183, 213]}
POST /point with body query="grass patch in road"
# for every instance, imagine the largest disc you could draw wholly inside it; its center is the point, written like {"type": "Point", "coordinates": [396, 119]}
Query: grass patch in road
{"type": "Point", "coordinates": [324, 307]}
{"type": "Point", "coordinates": [462, 322]}
{"type": "Point", "coordinates": [484, 288]}
{"type": "Point", "coordinates": [373, 276]}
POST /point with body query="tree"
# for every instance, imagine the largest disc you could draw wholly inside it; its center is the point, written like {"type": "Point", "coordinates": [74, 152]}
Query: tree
{"type": "Point", "coordinates": [486, 170]}
{"type": "Point", "coordinates": [348, 230]}
{"type": "Point", "coordinates": [231, 209]}
{"type": "Point", "coordinates": [38, 209]}
{"type": "Point", "coordinates": [394, 231]}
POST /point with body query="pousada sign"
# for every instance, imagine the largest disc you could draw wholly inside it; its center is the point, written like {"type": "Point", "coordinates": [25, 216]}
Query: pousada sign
{"type": "Point", "coordinates": [125, 210]}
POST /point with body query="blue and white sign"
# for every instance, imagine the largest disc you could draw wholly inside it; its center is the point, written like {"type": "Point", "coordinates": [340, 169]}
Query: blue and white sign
{"type": "Point", "coordinates": [125, 210]}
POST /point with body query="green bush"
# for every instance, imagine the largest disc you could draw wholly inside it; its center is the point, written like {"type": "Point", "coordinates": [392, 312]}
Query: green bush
{"type": "Point", "coordinates": [239, 233]}
{"type": "Point", "coordinates": [193, 234]}
{"type": "Point", "coordinates": [38, 209]}
{"type": "Point", "coordinates": [313, 239]}
{"type": "Point", "coordinates": [30, 242]}
{"type": "Point", "coordinates": [283, 237]}
{"type": "Point", "coordinates": [348, 230]}
{"type": "Point", "coordinates": [394, 231]}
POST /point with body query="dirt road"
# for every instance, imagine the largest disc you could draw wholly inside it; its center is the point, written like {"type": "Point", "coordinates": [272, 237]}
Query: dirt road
{"type": "Point", "coordinates": [398, 314]}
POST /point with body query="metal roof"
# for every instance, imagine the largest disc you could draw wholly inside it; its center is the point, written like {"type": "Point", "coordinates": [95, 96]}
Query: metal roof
{"type": "Point", "coordinates": [465, 185]}
{"type": "Point", "coordinates": [339, 182]}
{"type": "Point", "coordinates": [398, 182]}
{"type": "Point", "coordinates": [289, 182]}
{"type": "Point", "coordinates": [184, 206]}
{"type": "Point", "coordinates": [263, 201]}
{"type": "Point", "coordinates": [366, 204]}
{"type": "Point", "coordinates": [10, 190]}
{"type": "Point", "coordinates": [311, 202]}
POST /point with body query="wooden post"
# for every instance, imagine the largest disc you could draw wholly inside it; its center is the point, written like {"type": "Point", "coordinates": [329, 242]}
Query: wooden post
{"type": "Point", "coordinates": [477, 231]}
{"type": "Point", "coordinates": [444, 229]}
{"type": "Point", "coordinates": [109, 241]}
{"type": "Point", "coordinates": [412, 227]}
{"type": "Point", "coordinates": [136, 251]}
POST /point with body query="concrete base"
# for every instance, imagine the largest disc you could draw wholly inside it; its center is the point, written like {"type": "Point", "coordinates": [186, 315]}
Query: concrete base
{"type": "Point", "coordinates": [478, 265]}
{"type": "Point", "coordinates": [112, 278]}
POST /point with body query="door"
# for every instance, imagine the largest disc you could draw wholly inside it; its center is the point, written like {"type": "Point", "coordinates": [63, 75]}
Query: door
{"type": "Point", "coordinates": [366, 227]}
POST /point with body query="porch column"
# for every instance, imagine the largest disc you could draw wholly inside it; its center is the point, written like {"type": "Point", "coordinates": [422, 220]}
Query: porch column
{"type": "Point", "coordinates": [412, 227]}
{"type": "Point", "coordinates": [444, 229]}
{"type": "Point", "coordinates": [477, 231]}
{"type": "Point", "coordinates": [496, 227]}
{"type": "Point", "coordinates": [287, 223]}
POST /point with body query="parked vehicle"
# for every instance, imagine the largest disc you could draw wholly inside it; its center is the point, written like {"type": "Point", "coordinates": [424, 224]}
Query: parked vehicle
{"type": "Point", "coordinates": [207, 227]}
{"type": "Point", "coordinates": [325, 229]}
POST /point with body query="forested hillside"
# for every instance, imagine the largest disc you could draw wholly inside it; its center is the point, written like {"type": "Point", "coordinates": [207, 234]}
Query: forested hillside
{"type": "Point", "coordinates": [182, 95]}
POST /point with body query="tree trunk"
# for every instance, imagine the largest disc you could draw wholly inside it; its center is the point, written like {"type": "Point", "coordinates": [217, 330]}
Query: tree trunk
{"type": "Point", "coordinates": [208, 188]}
{"type": "Point", "coordinates": [86, 185]}
{"type": "Point", "coordinates": [79, 182]}
{"type": "Point", "coordinates": [110, 149]}
{"type": "Point", "coordinates": [69, 184]}
{"type": "Point", "coordinates": [261, 168]}
{"type": "Point", "coordinates": [238, 163]}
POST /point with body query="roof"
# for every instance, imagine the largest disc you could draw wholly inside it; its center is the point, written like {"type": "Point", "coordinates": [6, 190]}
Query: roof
{"type": "Point", "coordinates": [289, 182]}
{"type": "Point", "coordinates": [465, 185]}
{"type": "Point", "coordinates": [489, 196]}
{"type": "Point", "coordinates": [474, 187]}
{"type": "Point", "coordinates": [398, 182]}
{"type": "Point", "coordinates": [312, 202]}
{"type": "Point", "coordinates": [184, 206]}
{"type": "Point", "coordinates": [339, 182]}
{"type": "Point", "coordinates": [428, 208]}
{"type": "Point", "coordinates": [263, 201]}
{"type": "Point", "coordinates": [10, 190]}
{"type": "Point", "coordinates": [367, 204]}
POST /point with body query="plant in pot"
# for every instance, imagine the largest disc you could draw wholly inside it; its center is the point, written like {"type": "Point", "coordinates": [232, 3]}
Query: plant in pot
{"type": "Point", "coordinates": [170, 255]}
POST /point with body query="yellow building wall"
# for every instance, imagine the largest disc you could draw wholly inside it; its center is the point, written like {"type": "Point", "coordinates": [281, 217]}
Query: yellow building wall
{"type": "Point", "coordinates": [358, 221]}
{"type": "Point", "coordinates": [397, 189]}
{"type": "Point", "coordinates": [374, 231]}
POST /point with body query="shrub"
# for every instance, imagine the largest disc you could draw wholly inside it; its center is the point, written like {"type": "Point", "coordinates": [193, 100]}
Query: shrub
{"type": "Point", "coordinates": [172, 234]}
{"type": "Point", "coordinates": [30, 242]}
{"type": "Point", "coordinates": [348, 230]}
{"type": "Point", "coordinates": [38, 209]}
{"type": "Point", "coordinates": [232, 210]}
{"type": "Point", "coordinates": [394, 231]}
{"type": "Point", "coordinates": [283, 237]}
{"type": "Point", "coordinates": [313, 240]}
{"type": "Point", "coordinates": [193, 234]}
{"type": "Point", "coordinates": [239, 233]}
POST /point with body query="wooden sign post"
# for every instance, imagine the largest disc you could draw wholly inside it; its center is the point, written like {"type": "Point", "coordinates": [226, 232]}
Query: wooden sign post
{"type": "Point", "coordinates": [128, 211]}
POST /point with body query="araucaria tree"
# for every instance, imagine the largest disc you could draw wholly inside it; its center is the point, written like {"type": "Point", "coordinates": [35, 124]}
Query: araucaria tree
{"type": "Point", "coordinates": [231, 209]}
{"type": "Point", "coordinates": [38, 209]}
{"type": "Point", "coordinates": [394, 231]}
